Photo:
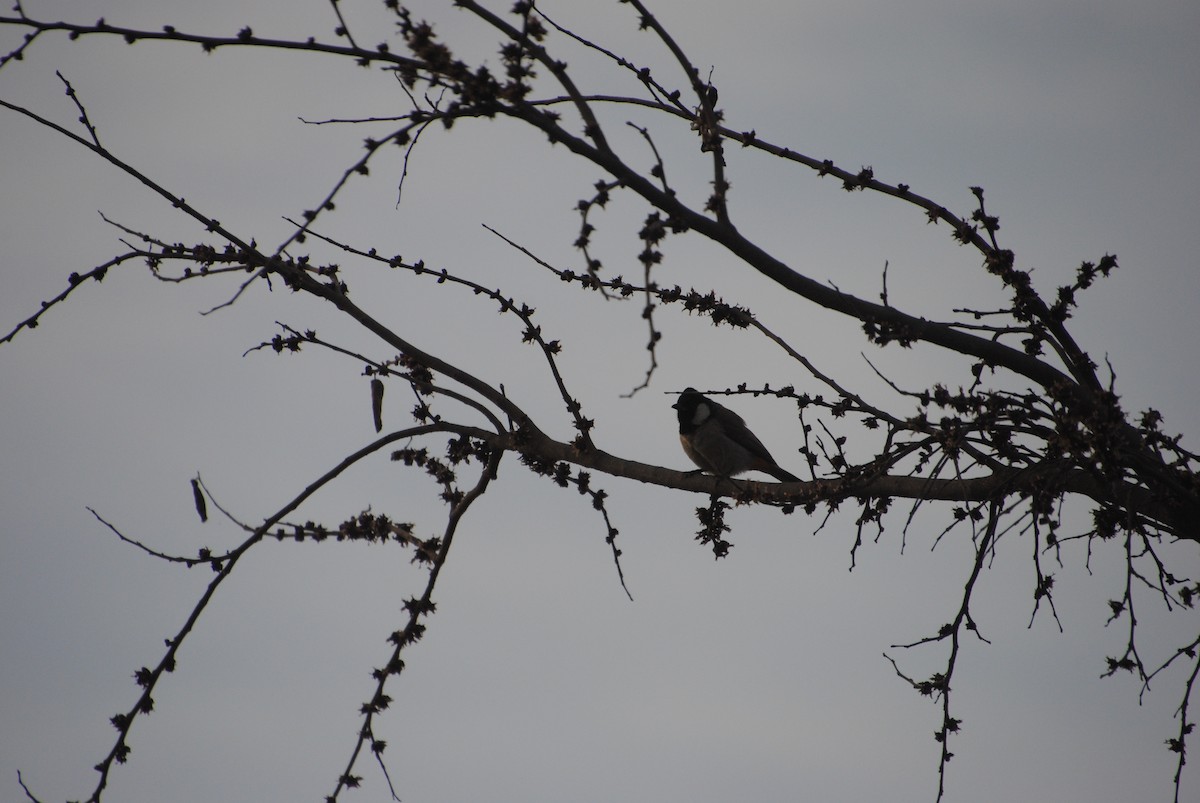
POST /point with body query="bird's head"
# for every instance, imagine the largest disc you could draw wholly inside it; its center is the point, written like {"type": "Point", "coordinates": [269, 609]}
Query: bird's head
{"type": "Point", "coordinates": [692, 408]}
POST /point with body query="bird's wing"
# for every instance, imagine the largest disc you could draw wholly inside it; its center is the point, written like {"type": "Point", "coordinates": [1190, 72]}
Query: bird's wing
{"type": "Point", "coordinates": [737, 430]}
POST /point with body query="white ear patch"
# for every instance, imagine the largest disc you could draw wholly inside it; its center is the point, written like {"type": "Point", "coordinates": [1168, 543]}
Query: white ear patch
{"type": "Point", "coordinates": [701, 415]}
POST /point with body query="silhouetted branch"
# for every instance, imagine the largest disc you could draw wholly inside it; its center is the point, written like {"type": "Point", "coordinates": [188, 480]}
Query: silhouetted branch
{"type": "Point", "coordinates": [1028, 424]}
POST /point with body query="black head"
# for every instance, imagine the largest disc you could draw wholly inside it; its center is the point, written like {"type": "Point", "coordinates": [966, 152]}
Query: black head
{"type": "Point", "coordinates": [692, 409]}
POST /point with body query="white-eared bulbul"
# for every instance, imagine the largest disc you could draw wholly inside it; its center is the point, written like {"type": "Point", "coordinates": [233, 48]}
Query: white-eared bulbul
{"type": "Point", "coordinates": [718, 440]}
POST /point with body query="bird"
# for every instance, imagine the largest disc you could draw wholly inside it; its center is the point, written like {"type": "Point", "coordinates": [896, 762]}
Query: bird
{"type": "Point", "coordinates": [718, 441]}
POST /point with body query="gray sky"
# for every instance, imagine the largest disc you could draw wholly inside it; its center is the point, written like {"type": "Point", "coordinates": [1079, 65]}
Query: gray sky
{"type": "Point", "coordinates": [759, 677]}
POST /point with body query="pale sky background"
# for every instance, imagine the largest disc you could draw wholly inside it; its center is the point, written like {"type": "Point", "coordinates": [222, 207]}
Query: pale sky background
{"type": "Point", "coordinates": [759, 677]}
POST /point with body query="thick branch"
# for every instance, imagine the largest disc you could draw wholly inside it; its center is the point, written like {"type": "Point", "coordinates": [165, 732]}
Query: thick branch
{"type": "Point", "coordinates": [533, 444]}
{"type": "Point", "coordinates": [914, 328]}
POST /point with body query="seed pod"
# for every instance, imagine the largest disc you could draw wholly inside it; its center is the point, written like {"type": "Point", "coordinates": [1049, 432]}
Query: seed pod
{"type": "Point", "coordinates": [198, 495]}
{"type": "Point", "coordinates": [377, 403]}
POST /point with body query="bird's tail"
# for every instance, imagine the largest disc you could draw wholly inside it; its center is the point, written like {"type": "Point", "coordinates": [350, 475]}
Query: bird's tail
{"type": "Point", "coordinates": [781, 475]}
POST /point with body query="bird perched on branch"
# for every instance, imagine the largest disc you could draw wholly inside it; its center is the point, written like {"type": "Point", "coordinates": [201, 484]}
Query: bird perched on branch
{"type": "Point", "coordinates": [718, 440]}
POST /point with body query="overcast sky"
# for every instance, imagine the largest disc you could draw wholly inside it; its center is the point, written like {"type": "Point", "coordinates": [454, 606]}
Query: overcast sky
{"type": "Point", "coordinates": [759, 677]}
